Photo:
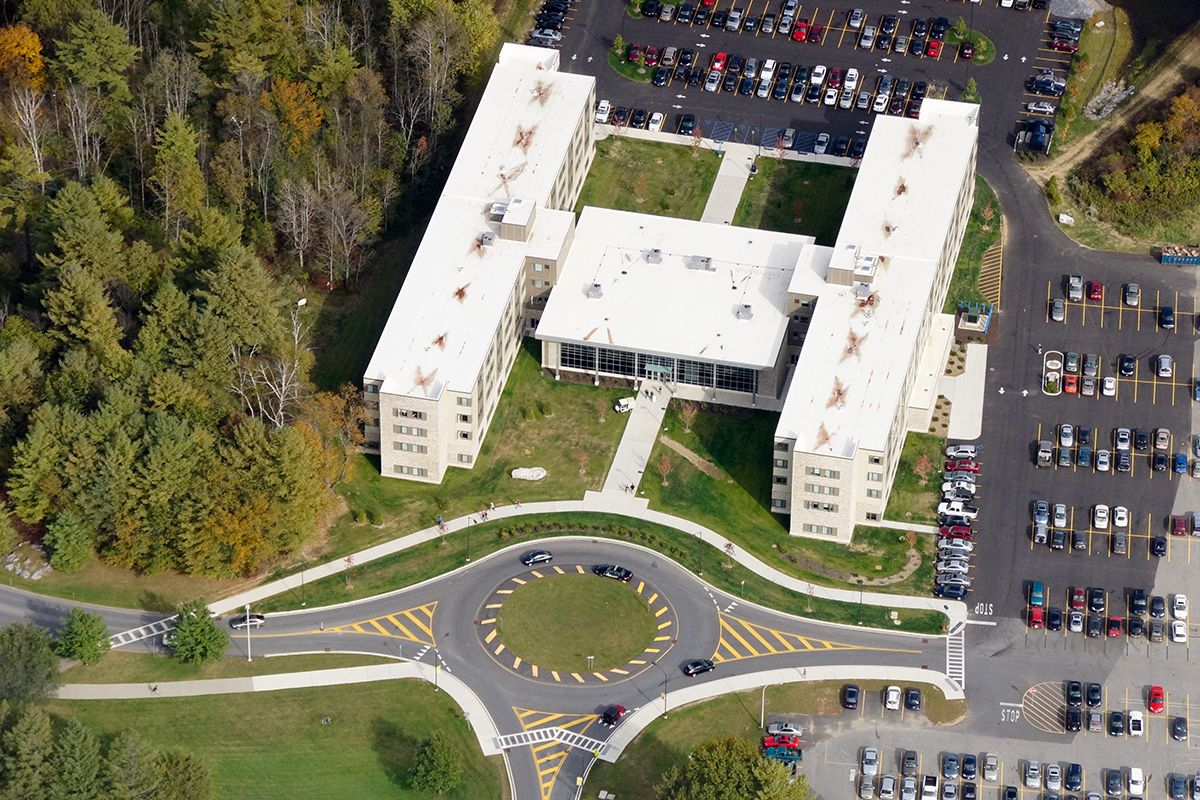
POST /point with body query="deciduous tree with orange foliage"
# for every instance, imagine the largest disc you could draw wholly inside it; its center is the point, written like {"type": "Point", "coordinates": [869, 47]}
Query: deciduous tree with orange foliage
{"type": "Point", "coordinates": [21, 63]}
{"type": "Point", "coordinates": [295, 106]}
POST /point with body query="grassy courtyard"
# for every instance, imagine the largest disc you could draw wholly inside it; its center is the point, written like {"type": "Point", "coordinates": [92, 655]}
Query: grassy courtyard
{"type": "Point", "coordinates": [667, 742]}
{"type": "Point", "coordinates": [270, 745]}
{"type": "Point", "coordinates": [983, 230]}
{"type": "Point", "coordinates": [912, 501]}
{"type": "Point", "coordinates": [797, 197]}
{"type": "Point", "coordinates": [666, 180]}
{"type": "Point", "coordinates": [608, 620]}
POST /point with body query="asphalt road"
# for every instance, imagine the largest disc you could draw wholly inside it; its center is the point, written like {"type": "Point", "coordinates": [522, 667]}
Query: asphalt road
{"type": "Point", "coordinates": [1018, 37]}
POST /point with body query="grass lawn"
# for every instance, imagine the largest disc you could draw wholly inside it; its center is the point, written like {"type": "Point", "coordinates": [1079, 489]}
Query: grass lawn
{"type": "Point", "coordinates": [797, 197]}
{"type": "Point", "coordinates": [1103, 53]}
{"type": "Point", "coordinates": [1095, 233]}
{"type": "Point", "coordinates": [121, 667]}
{"type": "Point", "coordinates": [910, 501]}
{"type": "Point", "coordinates": [608, 620]}
{"type": "Point", "coordinates": [434, 558]}
{"type": "Point", "coordinates": [985, 51]}
{"type": "Point", "coordinates": [667, 742]}
{"type": "Point", "coordinates": [269, 745]}
{"type": "Point", "coordinates": [667, 180]}
{"type": "Point", "coordinates": [981, 234]}
{"type": "Point", "coordinates": [627, 69]}
{"type": "Point", "coordinates": [520, 436]}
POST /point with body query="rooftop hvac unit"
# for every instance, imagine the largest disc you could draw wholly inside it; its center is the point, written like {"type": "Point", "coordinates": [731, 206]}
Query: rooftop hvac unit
{"type": "Point", "coordinates": [654, 256]}
{"type": "Point", "coordinates": [595, 292]}
{"type": "Point", "coordinates": [496, 212]}
{"type": "Point", "coordinates": [702, 262]}
{"type": "Point", "coordinates": [487, 239]}
{"type": "Point", "coordinates": [744, 311]}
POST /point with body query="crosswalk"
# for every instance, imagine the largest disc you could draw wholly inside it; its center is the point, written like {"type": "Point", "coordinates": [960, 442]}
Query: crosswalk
{"type": "Point", "coordinates": [956, 657]}
{"type": "Point", "coordinates": [541, 735]}
{"type": "Point", "coordinates": [144, 632]}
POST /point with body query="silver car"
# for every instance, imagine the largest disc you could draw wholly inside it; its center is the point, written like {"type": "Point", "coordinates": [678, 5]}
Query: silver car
{"type": "Point", "coordinates": [866, 787]}
{"type": "Point", "coordinates": [887, 787]}
{"type": "Point", "coordinates": [1066, 435]}
{"type": "Point", "coordinates": [1054, 777]}
{"type": "Point", "coordinates": [1133, 295]}
{"type": "Point", "coordinates": [1060, 515]}
{"type": "Point", "coordinates": [908, 788]}
{"type": "Point", "coordinates": [870, 761]}
{"type": "Point", "coordinates": [1033, 775]}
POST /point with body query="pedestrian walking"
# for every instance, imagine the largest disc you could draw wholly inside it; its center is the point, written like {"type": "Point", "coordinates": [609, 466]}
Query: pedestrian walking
{"type": "Point", "coordinates": [1039, 349]}
{"type": "Point", "coordinates": [518, 504]}
{"type": "Point", "coordinates": [492, 507]}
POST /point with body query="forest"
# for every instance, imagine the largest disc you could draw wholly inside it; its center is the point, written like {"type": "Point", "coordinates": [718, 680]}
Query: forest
{"type": "Point", "coordinates": [175, 178]}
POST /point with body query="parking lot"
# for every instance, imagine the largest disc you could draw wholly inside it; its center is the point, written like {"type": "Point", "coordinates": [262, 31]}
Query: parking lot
{"type": "Point", "coordinates": [729, 113]}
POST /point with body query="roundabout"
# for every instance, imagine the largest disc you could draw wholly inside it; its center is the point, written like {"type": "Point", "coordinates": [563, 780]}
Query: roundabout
{"type": "Point", "coordinates": [563, 624]}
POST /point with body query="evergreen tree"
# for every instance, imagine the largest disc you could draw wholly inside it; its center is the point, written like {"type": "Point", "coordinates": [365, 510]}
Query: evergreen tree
{"type": "Point", "coordinates": [439, 766]}
{"type": "Point", "coordinates": [80, 315]}
{"type": "Point", "coordinates": [198, 639]}
{"type": "Point", "coordinates": [28, 749]}
{"type": "Point", "coordinates": [75, 764]}
{"type": "Point", "coordinates": [69, 540]}
{"type": "Point", "coordinates": [132, 770]}
{"type": "Point", "coordinates": [186, 777]}
{"type": "Point", "coordinates": [28, 666]}
{"type": "Point", "coordinates": [84, 637]}
{"type": "Point", "coordinates": [96, 54]}
{"type": "Point", "coordinates": [176, 178]}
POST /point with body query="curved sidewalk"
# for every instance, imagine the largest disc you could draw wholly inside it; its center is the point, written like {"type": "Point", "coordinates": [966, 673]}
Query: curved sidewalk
{"type": "Point", "coordinates": [602, 503]}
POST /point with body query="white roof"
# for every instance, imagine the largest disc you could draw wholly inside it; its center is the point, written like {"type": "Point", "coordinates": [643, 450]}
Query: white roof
{"type": "Point", "coordinates": [859, 345]}
{"type": "Point", "coordinates": [639, 282]}
{"type": "Point", "coordinates": [457, 289]}
{"type": "Point", "coordinates": [522, 129]}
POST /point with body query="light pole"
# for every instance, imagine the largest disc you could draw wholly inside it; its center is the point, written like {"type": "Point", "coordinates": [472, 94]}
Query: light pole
{"type": "Point", "coordinates": [248, 632]}
{"type": "Point", "coordinates": [860, 599]}
{"type": "Point", "coordinates": [437, 667]}
{"type": "Point", "coordinates": [303, 601]}
{"type": "Point", "coordinates": [664, 689]}
{"type": "Point", "coordinates": [762, 713]}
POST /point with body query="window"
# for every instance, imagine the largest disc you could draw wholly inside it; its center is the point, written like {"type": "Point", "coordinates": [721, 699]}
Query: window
{"type": "Point", "coordinates": [824, 530]}
{"type": "Point", "coordinates": [814, 471]}
{"type": "Point", "coordinates": [876, 459]}
{"type": "Point", "coordinates": [617, 362]}
{"type": "Point", "coordinates": [781, 446]}
{"type": "Point", "coordinates": [873, 493]}
{"type": "Point", "coordinates": [875, 476]}
{"type": "Point", "coordinates": [811, 505]}
{"type": "Point", "coordinates": [779, 503]}
{"type": "Point", "coordinates": [400, 469]}
{"type": "Point", "coordinates": [537, 300]}
{"type": "Point", "coordinates": [464, 401]}
{"type": "Point", "coordinates": [655, 366]}
{"type": "Point", "coordinates": [814, 488]}
{"type": "Point", "coordinates": [404, 412]}
{"type": "Point", "coordinates": [696, 373]}
{"type": "Point", "coordinates": [806, 303]}
{"type": "Point", "coordinates": [410, 448]}
{"type": "Point", "coordinates": [464, 458]}
{"type": "Point", "coordinates": [872, 516]}
{"type": "Point", "coordinates": [829, 507]}
{"type": "Point", "coordinates": [371, 388]}
{"type": "Point", "coordinates": [404, 429]}
{"type": "Point", "coordinates": [804, 319]}
{"type": "Point", "coordinates": [464, 434]}
{"type": "Point", "coordinates": [831, 490]}
{"type": "Point", "coordinates": [538, 267]}
{"type": "Point", "coordinates": [464, 419]}
{"type": "Point", "coordinates": [831, 473]}
{"type": "Point", "coordinates": [577, 356]}
{"type": "Point", "coordinates": [537, 284]}
{"type": "Point", "coordinates": [781, 463]}
{"type": "Point", "coordinates": [737, 379]}
{"type": "Point", "coordinates": [781, 480]}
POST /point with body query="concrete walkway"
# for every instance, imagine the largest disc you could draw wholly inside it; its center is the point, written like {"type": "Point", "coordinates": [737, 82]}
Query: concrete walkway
{"type": "Point", "coordinates": [904, 526]}
{"type": "Point", "coordinates": [641, 431]}
{"type": "Point", "coordinates": [731, 180]}
{"type": "Point", "coordinates": [965, 393]}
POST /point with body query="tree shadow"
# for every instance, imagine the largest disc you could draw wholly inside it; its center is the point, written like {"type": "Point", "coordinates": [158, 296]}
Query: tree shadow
{"type": "Point", "coordinates": [396, 751]}
{"type": "Point", "coordinates": [153, 601]}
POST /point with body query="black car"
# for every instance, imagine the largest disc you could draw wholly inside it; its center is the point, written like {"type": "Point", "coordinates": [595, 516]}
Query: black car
{"type": "Point", "coordinates": [1141, 440]}
{"type": "Point", "coordinates": [951, 592]}
{"type": "Point", "coordinates": [969, 791]}
{"type": "Point", "coordinates": [660, 76]}
{"type": "Point", "coordinates": [1097, 602]}
{"type": "Point", "coordinates": [1074, 694]}
{"type": "Point", "coordinates": [919, 89]}
{"type": "Point", "coordinates": [685, 14]}
{"type": "Point", "coordinates": [1073, 779]}
{"type": "Point", "coordinates": [1058, 541]}
{"type": "Point", "coordinates": [1176, 786]}
{"type": "Point", "coordinates": [1127, 364]}
{"type": "Point", "coordinates": [1054, 616]}
{"type": "Point", "coordinates": [620, 115]}
{"type": "Point", "coordinates": [1112, 779]}
{"type": "Point", "coordinates": [651, 8]}
{"type": "Point", "coordinates": [1158, 546]}
{"type": "Point", "coordinates": [1074, 720]}
{"type": "Point", "coordinates": [638, 120]}
{"type": "Point", "coordinates": [735, 64]}
{"type": "Point", "coordinates": [1158, 606]}
{"type": "Point", "coordinates": [750, 25]}
{"type": "Point", "coordinates": [1160, 462]}
{"type": "Point", "coordinates": [841, 145]}
{"type": "Point", "coordinates": [1083, 435]}
{"type": "Point", "coordinates": [909, 764]}
{"type": "Point", "coordinates": [536, 557]}
{"type": "Point", "coordinates": [698, 667]}
{"type": "Point", "coordinates": [1095, 626]}
{"type": "Point", "coordinates": [746, 87]}
{"type": "Point", "coordinates": [889, 24]}
{"type": "Point", "coordinates": [1179, 729]}
{"type": "Point", "coordinates": [686, 57]}
{"type": "Point", "coordinates": [729, 82]}
{"type": "Point", "coordinates": [969, 766]}
{"type": "Point", "coordinates": [1095, 695]}
{"type": "Point", "coordinates": [1166, 318]}
{"type": "Point", "coordinates": [1157, 629]}
{"type": "Point", "coordinates": [1137, 601]}
{"type": "Point", "coordinates": [883, 42]}
{"type": "Point", "coordinates": [696, 76]}
{"type": "Point", "coordinates": [912, 698]}
{"type": "Point", "coordinates": [916, 46]}
{"type": "Point", "coordinates": [850, 696]}
{"type": "Point", "coordinates": [1136, 626]}
{"type": "Point", "coordinates": [702, 15]}
{"type": "Point", "coordinates": [784, 73]}
{"type": "Point", "coordinates": [814, 95]}
{"type": "Point", "coordinates": [613, 571]}
{"type": "Point", "coordinates": [719, 19]}
{"type": "Point", "coordinates": [780, 92]}
{"type": "Point", "coordinates": [612, 715]}
{"type": "Point", "coordinates": [858, 148]}
{"type": "Point", "coordinates": [687, 125]}
{"type": "Point", "coordinates": [681, 72]}
{"type": "Point", "coordinates": [938, 31]}
{"type": "Point", "coordinates": [920, 27]}
{"type": "Point", "coordinates": [1116, 727]}
{"type": "Point", "coordinates": [1010, 793]}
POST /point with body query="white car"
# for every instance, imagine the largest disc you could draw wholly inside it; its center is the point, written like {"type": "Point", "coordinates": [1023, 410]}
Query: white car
{"type": "Point", "coordinates": [963, 544]}
{"type": "Point", "coordinates": [1060, 515]}
{"type": "Point", "coordinates": [1166, 366]}
{"type": "Point", "coordinates": [603, 111]}
{"type": "Point", "coordinates": [1137, 723]}
{"type": "Point", "coordinates": [1120, 517]}
{"type": "Point", "coordinates": [851, 79]}
{"type": "Point", "coordinates": [656, 122]}
{"type": "Point", "coordinates": [881, 103]}
{"type": "Point", "coordinates": [1179, 631]}
{"type": "Point", "coordinates": [891, 698]}
{"type": "Point", "coordinates": [713, 83]}
{"type": "Point", "coordinates": [1100, 517]}
{"type": "Point", "coordinates": [1054, 777]}
{"type": "Point", "coordinates": [956, 508]}
{"type": "Point", "coordinates": [961, 451]}
{"type": "Point", "coordinates": [768, 70]}
{"type": "Point", "coordinates": [908, 788]}
{"type": "Point", "coordinates": [1033, 775]}
{"type": "Point", "coordinates": [831, 96]}
{"type": "Point", "coordinates": [1108, 386]}
{"type": "Point", "coordinates": [1103, 461]}
{"type": "Point", "coordinates": [847, 99]}
{"type": "Point", "coordinates": [1066, 435]}
{"type": "Point", "coordinates": [817, 78]}
{"type": "Point", "coordinates": [784, 729]}
{"type": "Point", "coordinates": [1040, 107]}
{"type": "Point", "coordinates": [954, 565]}
{"type": "Point", "coordinates": [991, 767]}
{"type": "Point", "coordinates": [950, 486]}
{"type": "Point", "coordinates": [1179, 607]}
{"type": "Point", "coordinates": [870, 761]}
{"type": "Point", "coordinates": [821, 146]}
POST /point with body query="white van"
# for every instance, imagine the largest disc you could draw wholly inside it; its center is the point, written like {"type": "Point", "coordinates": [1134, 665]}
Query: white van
{"type": "Point", "coordinates": [1137, 782]}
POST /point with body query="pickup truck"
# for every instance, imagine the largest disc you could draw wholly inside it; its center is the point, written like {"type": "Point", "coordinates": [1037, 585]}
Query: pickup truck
{"type": "Point", "coordinates": [929, 786]}
{"type": "Point", "coordinates": [1045, 454]}
{"type": "Point", "coordinates": [1075, 288]}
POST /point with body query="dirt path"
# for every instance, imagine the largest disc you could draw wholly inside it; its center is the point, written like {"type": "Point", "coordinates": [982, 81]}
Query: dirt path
{"type": "Point", "coordinates": [707, 467]}
{"type": "Point", "coordinates": [1186, 57]}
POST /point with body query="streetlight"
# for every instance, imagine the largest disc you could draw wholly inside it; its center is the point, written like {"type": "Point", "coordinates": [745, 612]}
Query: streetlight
{"type": "Point", "coordinates": [762, 714]}
{"type": "Point", "coordinates": [248, 632]}
{"type": "Point", "coordinates": [303, 566]}
{"type": "Point", "coordinates": [860, 599]}
{"type": "Point", "coordinates": [664, 689]}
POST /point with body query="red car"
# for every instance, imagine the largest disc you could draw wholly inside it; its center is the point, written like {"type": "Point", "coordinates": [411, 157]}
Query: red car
{"type": "Point", "coordinates": [1155, 703]}
{"type": "Point", "coordinates": [1179, 525]}
{"type": "Point", "coordinates": [718, 62]}
{"type": "Point", "coordinates": [635, 53]}
{"type": "Point", "coordinates": [966, 51]}
{"type": "Point", "coordinates": [1037, 617]}
{"type": "Point", "coordinates": [835, 79]}
{"type": "Point", "coordinates": [933, 49]}
{"type": "Point", "coordinates": [800, 31]}
{"type": "Point", "coordinates": [612, 715]}
{"type": "Point", "coordinates": [1071, 384]}
{"type": "Point", "coordinates": [1095, 290]}
{"type": "Point", "coordinates": [1078, 597]}
{"type": "Point", "coordinates": [955, 531]}
{"type": "Point", "coordinates": [651, 56]}
{"type": "Point", "coordinates": [708, 2]}
{"type": "Point", "coordinates": [782, 740]}
{"type": "Point", "coordinates": [1065, 45]}
{"type": "Point", "coordinates": [1114, 626]}
{"type": "Point", "coordinates": [963, 465]}
{"type": "Point", "coordinates": [816, 32]}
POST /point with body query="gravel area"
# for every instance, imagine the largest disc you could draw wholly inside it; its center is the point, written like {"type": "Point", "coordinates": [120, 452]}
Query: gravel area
{"type": "Point", "coordinates": [1077, 9]}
